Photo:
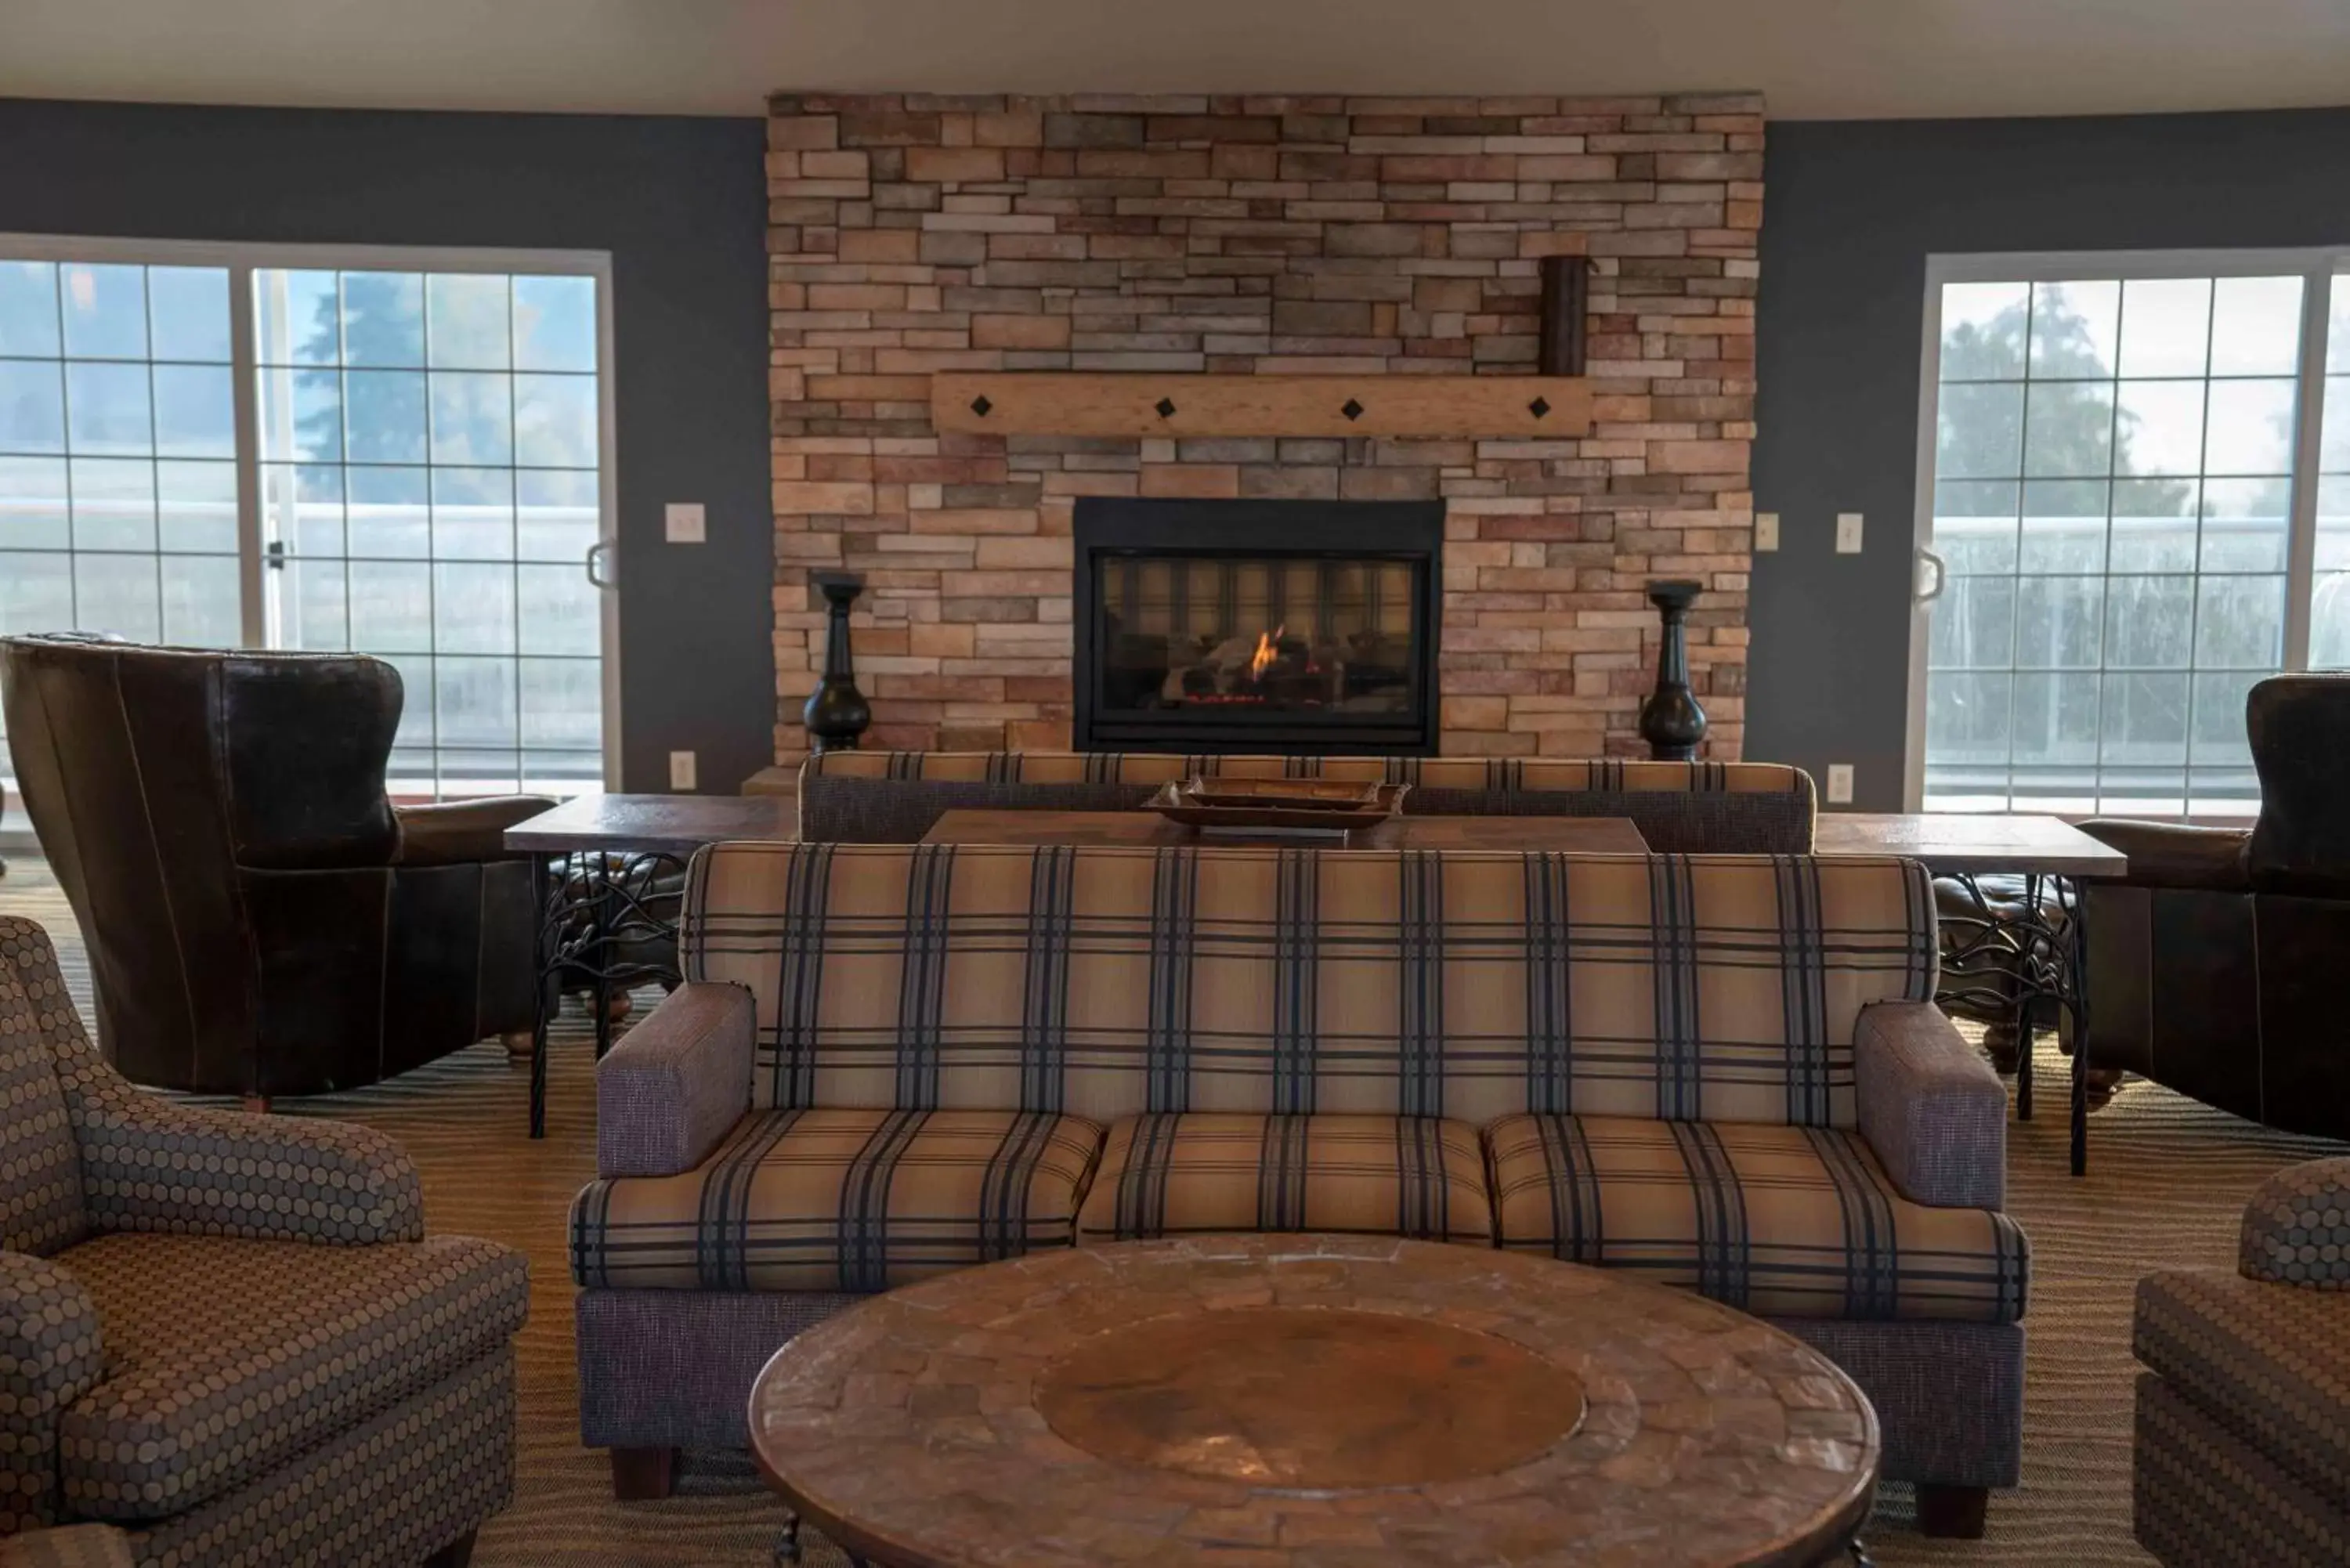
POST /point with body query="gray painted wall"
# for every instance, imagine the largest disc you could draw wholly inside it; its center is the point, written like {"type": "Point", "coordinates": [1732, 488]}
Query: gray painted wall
{"type": "Point", "coordinates": [678, 203]}
{"type": "Point", "coordinates": [1851, 211]}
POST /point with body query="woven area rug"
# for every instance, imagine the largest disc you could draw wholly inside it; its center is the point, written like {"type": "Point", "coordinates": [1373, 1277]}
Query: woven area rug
{"type": "Point", "coordinates": [2166, 1178]}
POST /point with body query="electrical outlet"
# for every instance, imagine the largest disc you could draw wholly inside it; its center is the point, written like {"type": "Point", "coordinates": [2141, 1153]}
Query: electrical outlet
{"type": "Point", "coordinates": [681, 769]}
{"type": "Point", "coordinates": [1766, 530]}
{"type": "Point", "coordinates": [1839, 783]}
{"type": "Point", "coordinates": [683, 523]}
{"type": "Point", "coordinates": [1847, 533]}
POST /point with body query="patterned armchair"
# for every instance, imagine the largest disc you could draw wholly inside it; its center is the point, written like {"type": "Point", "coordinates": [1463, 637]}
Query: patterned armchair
{"type": "Point", "coordinates": [225, 1335]}
{"type": "Point", "coordinates": [2243, 1409]}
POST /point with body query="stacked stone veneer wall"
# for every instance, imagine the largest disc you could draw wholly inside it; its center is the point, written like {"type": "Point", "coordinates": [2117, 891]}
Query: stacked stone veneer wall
{"type": "Point", "coordinates": [1386, 236]}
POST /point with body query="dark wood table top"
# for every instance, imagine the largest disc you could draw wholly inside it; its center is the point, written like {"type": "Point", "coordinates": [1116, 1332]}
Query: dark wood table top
{"type": "Point", "coordinates": [1308, 1400]}
{"type": "Point", "coordinates": [1952, 842]}
{"type": "Point", "coordinates": [1582, 835]}
{"type": "Point", "coordinates": [673, 824]}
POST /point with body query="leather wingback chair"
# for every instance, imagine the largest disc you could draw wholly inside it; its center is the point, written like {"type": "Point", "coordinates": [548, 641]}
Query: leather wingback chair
{"type": "Point", "coordinates": [2216, 966]}
{"type": "Point", "coordinates": [261, 919]}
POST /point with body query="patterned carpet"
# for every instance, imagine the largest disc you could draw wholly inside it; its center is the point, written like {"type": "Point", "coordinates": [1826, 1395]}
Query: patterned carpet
{"type": "Point", "coordinates": [2166, 1178]}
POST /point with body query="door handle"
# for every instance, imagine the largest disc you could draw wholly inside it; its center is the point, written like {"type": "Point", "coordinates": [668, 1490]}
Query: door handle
{"type": "Point", "coordinates": [598, 553]}
{"type": "Point", "coordinates": [1926, 595]}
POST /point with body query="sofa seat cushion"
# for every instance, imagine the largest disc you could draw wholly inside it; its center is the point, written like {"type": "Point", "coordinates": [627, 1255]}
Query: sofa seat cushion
{"type": "Point", "coordinates": [226, 1357]}
{"type": "Point", "coordinates": [1182, 1173]}
{"type": "Point", "coordinates": [1778, 1220]}
{"type": "Point", "coordinates": [2268, 1361]}
{"type": "Point", "coordinates": [839, 1201]}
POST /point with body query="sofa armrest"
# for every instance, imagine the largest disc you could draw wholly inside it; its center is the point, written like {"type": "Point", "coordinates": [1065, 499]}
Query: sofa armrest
{"type": "Point", "coordinates": [50, 1356]}
{"type": "Point", "coordinates": [464, 831]}
{"type": "Point", "coordinates": [675, 1084]}
{"type": "Point", "coordinates": [1931, 1106]}
{"type": "Point", "coordinates": [2170, 854]}
{"type": "Point", "coordinates": [152, 1164]}
{"type": "Point", "coordinates": [68, 1546]}
{"type": "Point", "coordinates": [2296, 1229]}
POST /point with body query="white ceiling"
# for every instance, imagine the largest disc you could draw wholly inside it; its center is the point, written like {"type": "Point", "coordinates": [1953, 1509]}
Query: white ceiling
{"type": "Point", "coordinates": [1812, 58]}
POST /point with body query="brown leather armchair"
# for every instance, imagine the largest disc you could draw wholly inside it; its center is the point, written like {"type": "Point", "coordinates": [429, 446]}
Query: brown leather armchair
{"type": "Point", "coordinates": [2216, 966]}
{"type": "Point", "coordinates": [261, 919]}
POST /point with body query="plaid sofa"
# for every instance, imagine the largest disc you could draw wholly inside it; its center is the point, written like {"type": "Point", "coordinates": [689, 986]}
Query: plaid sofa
{"type": "Point", "coordinates": [2243, 1407]}
{"type": "Point", "coordinates": [226, 1336]}
{"type": "Point", "coordinates": [1680, 808]}
{"type": "Point", "coordinates": [1721, 1073]}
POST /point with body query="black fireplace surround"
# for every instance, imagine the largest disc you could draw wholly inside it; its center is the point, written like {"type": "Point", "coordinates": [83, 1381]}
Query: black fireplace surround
{"type": "Point", "coordinates": [1292, 626]}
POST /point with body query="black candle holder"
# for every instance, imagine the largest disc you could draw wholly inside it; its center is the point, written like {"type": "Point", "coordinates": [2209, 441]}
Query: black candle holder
{"type": "Point", "coordinates": [1670, 720]}
{"type": "Point", "coordinates": [836, 714]}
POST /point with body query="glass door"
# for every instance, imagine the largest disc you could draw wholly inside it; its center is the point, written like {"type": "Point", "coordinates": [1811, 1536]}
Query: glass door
{"type": "Point", "coordinates": [402, 453]}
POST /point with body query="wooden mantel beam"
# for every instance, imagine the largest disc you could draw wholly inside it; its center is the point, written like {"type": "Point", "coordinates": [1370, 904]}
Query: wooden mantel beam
{"type": "Point", "coordinates": [1053, 402]}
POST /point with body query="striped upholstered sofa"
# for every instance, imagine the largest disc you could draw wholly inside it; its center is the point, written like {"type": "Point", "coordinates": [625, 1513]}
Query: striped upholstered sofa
{"type": "Point", "coordinates": [1719, 1072]}
{"type": "Point", "coordinates": [227, 1336]}
{"type": "Point", "coordinates": [1680, 808]}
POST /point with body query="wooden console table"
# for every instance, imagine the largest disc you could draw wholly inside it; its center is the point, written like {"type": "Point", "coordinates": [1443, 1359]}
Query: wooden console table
{"type": "Point", "coordinates": [1579, 835]}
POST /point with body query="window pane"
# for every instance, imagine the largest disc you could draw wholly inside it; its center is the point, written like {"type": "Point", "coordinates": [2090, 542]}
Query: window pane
{"type": "Point", "coordinates": [391, 511]}
{"type": "Point", "coordinates": [473, 607]}
{"type": "Point", "coordinates": [555, 422]}
{"type": "Point", "coordinates": [383, 318]}
{"type": "Point", "coordinates": [391, 606]}
{"type": "Point", "coordinates": [2165, 326]}
{"type": "Point", "coordinates": [1981, 433]}
{"type": "Point", "coordinates": [107, 409]}
{"type": "Point", "coordinates": [2251, 429]}
{"type": "Point", "coordinates": [105, 310]}
{"type": "Point", "coordinates": [2255, 325]}
{"type": "Point", "coordinates": [2239, 623]}
{"type": "Point", "coordinates": [561, 611]}
{"type": "Point", "coordinates": [187, 310]}
{"type": "Point", "coordinates": [2159, 427]}
{"type": "Point", "coordinates": [2145, 721]}
{"type": "Point", "coordinates": [32, 407]}
{"type": "Point", "coordinates": [196, 411]}
{"type": "Point", "coordinates": [470, 328]}
{"type": "Point", "coordinates": [299, 316]}
{"type": "Point", "coordinates": [120, 594]}
{"type": "Point", "coordinates": [113, 504]}
{"type": "Point", "coordinates": [556, 516]}
{"type": "Point", "coordinates": [2150, 622]}
{"type": "Point", "coordinates": [554, 323]}
{"type": "Point", "coordinates": [1967, 717]}
{"type": "Point", "coordinates": [383, 414]}
{"type": "Point", "coordinates": [2068, 429]}
{"type": "Point", "coordinates": [200, 602]}
{"type": "Point", "coordinates": [2246, 523]}
{"type": "Point", "coordinates": [301, 415]}
{"type": "Point", "coordinates": [315, 607]}
{"type": "Point", "coordinates": [2057, 622]}
{"type": "Point", "coordinates": [562, 703]}
{"type": "Point", "coordinates": [2064, 526]}
{"type": "Point", "coordinates": [2153, 525]}
{"type": "Point", "coordinates": [1982, 331]}
{"type": "Point", "coordinates": [472, 514]}
{"type": "Point", "coordinates": [474, 702]}
{"type": "Point", "coordinates": [2073, 330]}
{"type": "Point", "coordinates": [473, 417]}
{"type": "Point", "coordinates": [33, 504]}
{"type": "Point", "coordinates": [35, 591]}
{"type": "Point", "coordinates": [196, 508]}
{"type": "Point", "coordinates": [28, 309]}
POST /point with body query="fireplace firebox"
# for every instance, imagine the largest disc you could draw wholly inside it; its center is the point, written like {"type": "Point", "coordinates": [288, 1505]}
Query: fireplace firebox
{"type": "Point", "coordinates": [1305, 626]}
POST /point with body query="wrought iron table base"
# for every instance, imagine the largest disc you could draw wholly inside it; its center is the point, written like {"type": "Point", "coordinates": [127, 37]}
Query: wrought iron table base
{"type": "Point", "coordinates": [595, 904]}
{"type": "Point", "coordinates": [2001, 961]}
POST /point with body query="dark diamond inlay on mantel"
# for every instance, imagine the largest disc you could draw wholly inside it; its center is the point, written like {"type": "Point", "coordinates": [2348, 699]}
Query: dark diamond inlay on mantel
{"type": "Point", "coordinates": [980, 405]}
{"type": "Point", "coordinates": [1352, 410]}
{"type": "Point", "coordinates": [1539, 407]}
{"type": "Point", "coordinates": [1166, 407]}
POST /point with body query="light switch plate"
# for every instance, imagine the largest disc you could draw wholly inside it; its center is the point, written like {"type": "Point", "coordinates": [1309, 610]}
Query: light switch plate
{"type": "Point", "coordinates": [680, 771]}
{"type": "Point", "coordinates": [1839, 783]}
{"type": "Point", "coordinates": [1766, 530]}
{"type": "Point", "coordinates": [1847, 533]}
{"type": "Point", "coordinates": [683, 523]}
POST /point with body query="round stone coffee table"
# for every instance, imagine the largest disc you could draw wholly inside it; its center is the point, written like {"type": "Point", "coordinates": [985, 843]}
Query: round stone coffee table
{"type": "Point", "coordinates": [1311, 1402]}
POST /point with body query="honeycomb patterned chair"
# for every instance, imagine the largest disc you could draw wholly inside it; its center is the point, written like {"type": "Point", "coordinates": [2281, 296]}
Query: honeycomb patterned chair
{"type": "Point", "coordinates": [225, 1336]}
{"type": "Point", "coordinates": [2244, 1409]}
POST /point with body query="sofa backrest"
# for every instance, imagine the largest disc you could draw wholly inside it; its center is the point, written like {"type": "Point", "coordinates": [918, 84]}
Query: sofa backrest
{"type": "Point", "coordinates": [1106, 981]}
{"type": "Point", "coordinates": [1680, 808]}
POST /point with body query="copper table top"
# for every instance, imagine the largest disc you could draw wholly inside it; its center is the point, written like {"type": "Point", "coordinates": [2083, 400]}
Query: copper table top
{"type": "Point", "coordinates": [1311, 1402]}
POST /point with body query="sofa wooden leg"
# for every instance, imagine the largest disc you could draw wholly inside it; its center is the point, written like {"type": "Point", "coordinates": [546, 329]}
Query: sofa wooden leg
{"type": "Point", "coordinates": [1952, 1513]}
{"type": "Point", "coordinates": [517, 1045]}
{"type": "Point", "coordinates": [642, 1475]}
{"type": "Point", "coordinates": [456, 1555]}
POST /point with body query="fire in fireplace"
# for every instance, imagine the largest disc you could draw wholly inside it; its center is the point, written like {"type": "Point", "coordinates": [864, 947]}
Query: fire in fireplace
{"type": "Point", "coordinates": [1219, 625]}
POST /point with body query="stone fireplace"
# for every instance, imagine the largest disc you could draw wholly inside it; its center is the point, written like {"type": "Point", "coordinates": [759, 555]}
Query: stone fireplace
{"type": "Point", "coordinates": [1296, 627]}
{"type": "Point", "coordinates": [1262, 235]}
